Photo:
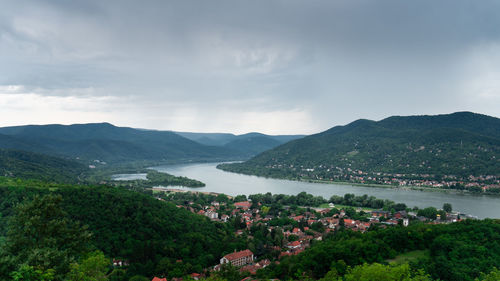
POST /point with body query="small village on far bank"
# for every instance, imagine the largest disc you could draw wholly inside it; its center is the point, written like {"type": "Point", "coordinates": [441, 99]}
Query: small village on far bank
{"type": "Point", "coordinates": [276, 226]}
{"type": "Point", "coordinates": [324, 173]}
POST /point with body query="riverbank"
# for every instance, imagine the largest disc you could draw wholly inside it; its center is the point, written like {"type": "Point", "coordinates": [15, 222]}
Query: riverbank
{"type": "Point", "coordinates": [140, 178]}
{"type": "Point", "coordinates": [406, 187]}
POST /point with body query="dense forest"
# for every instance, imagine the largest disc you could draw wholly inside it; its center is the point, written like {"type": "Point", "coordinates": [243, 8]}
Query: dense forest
{"type": "Point", "coordinates": [153, 236]}
{"type": "Point", "coordinates": [28, 165]}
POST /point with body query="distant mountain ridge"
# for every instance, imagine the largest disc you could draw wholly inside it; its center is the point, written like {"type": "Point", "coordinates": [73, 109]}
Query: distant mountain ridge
{"type": "Point", "coordinates": [107, 142]}
{"type": "Point", "coordinates": [112, 144]}
{"type": "Point", "coordinates": [461, 143]}
{"type": "Point", "coordinates": [249, 144]}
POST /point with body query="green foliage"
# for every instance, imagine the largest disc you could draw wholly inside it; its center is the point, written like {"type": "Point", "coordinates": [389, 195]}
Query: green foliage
{"type": "Point", "coordinates": [131, 226]}
{"type": "Point", "coordinates": [33, 166]}
{"type": "Point", "coordinates": [29, 273]}
{"type": "Point", "coordinates": [42, 235]}
{"type": "Point", "coordinates": [494, 275]}
{"type": "Point", "coordinates": [379, 272]}
{"type": "Point", "coordinates": [447, 207]}
{"type": "Point", "coordinates": [157, 178]}
{"type": "Point", "coordinates": [366, 201]}
{"type": "Point", "coordinates": [229, 273]}
{"type": "Point", "coordinates": [458, 251]}
{"type": "Point", "coordinates": [138, 278]}
{"type": "Point", "coordinates": [301, 199]}
{"type": "Point", "coordinates": [429, 212]}
{"type": "Point", "coordinates": [93, 268]}
{"type": "Point", "coordinates": [118, 275]}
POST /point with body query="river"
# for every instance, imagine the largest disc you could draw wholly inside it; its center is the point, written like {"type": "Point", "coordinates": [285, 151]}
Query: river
{"type": "Point", "coordinates": [219, 181]}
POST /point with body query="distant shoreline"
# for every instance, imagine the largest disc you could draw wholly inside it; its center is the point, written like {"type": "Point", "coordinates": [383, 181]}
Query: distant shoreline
{"type": "Point", "coordinates": [417, 188]}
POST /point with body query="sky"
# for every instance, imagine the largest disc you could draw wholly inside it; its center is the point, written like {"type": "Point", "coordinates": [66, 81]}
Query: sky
{"type": "Point", "coordinates": [272, 66]}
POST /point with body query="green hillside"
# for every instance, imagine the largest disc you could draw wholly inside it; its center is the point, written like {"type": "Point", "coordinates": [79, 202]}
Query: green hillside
{"type": "Point", "coordinates": [154, 236]}
{"type": "Point", "coordinates": [27, 165]}
{"type": "Point", "coordinates": [108, 143]}
{"type": "Point", "coordinates": [460, 144]}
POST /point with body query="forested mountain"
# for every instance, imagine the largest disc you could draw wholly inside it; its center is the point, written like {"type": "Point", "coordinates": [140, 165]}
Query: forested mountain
{"type": "Point", "coordinates": [108, 143]}
{"type": "Point", "coordinates": [461, 143]}
{"type": "Point", "coordinates": [246, 145]}
{"type": "Point", "coordinates": [28, 165]}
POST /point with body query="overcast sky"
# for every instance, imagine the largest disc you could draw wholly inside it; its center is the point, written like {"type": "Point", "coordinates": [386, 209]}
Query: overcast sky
{"type": "Point", "coordinates": [238, 66]}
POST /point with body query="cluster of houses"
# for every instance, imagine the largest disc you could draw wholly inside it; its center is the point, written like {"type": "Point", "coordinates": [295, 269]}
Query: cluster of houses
{"type": "Point", "coordinates": [296, 239]}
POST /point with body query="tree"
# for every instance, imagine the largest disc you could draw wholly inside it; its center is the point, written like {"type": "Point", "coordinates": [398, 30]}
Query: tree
{"type": "Point", "coordinates": [376, 272]}
{"type": "Point", "coordinates": [41, 235]}
{"type": "Point", "coordinates": [240, 198]}
{"type": "Point", "coordinates": [29, 273]}
{"type": "Point", "coordinates": [228, 272]}
{"type": "Point", "coordinates": [429, 212]}
{"type": "Point", "coordinates": [447, 207]}
{"type": "Point", "coordinates": [494, 275]}
{"type": "Point", "coordinates": [138, 278]}
{"type": "Point", "coordinates": [92, 268]}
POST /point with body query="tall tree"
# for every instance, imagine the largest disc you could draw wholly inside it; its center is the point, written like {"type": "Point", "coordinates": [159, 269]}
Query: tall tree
{"type": "Point", "coordinates": [42, 236]}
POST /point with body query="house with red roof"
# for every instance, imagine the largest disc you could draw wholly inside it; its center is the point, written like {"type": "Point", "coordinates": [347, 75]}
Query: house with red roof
{"type": "Point", "coordinates": [159, 279]}
{"type": "Point", "coordinates": [245, 205]}
{"type": "Point", "coordinates": [348, 222]}
{"type": "Point", "coordinates": [195, 276]}
{"type": "Point", "coordinates": [293, 245]}
{"type": "Point", "coordinates": [240, 258]}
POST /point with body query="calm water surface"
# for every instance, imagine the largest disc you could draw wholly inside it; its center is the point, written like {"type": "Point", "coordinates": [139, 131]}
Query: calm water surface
{"type": "Point", "coordinates": [233, 184]}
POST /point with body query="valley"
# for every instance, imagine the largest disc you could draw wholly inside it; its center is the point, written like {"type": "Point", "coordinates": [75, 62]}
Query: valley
{"type": "Point", "coordinates": [405, 194]}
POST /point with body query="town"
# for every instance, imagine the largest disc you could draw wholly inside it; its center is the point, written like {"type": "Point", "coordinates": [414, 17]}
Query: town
{"type": "Point", "coordinates": [278, 225]}
{"type": "Point", "coordinates": [328, 173]}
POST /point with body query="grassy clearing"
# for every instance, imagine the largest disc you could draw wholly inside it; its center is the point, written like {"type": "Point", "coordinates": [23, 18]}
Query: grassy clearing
{"type": "Point", "coordinates": [409, 257]}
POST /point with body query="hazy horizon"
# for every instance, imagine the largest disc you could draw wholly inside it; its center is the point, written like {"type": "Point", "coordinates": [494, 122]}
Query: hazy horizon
{"type": "Point", "coordinates": [274, 67]}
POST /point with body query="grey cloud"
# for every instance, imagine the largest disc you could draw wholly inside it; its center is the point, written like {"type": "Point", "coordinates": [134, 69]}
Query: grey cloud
{"type": "Point", "coordinates": [335, 60]}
